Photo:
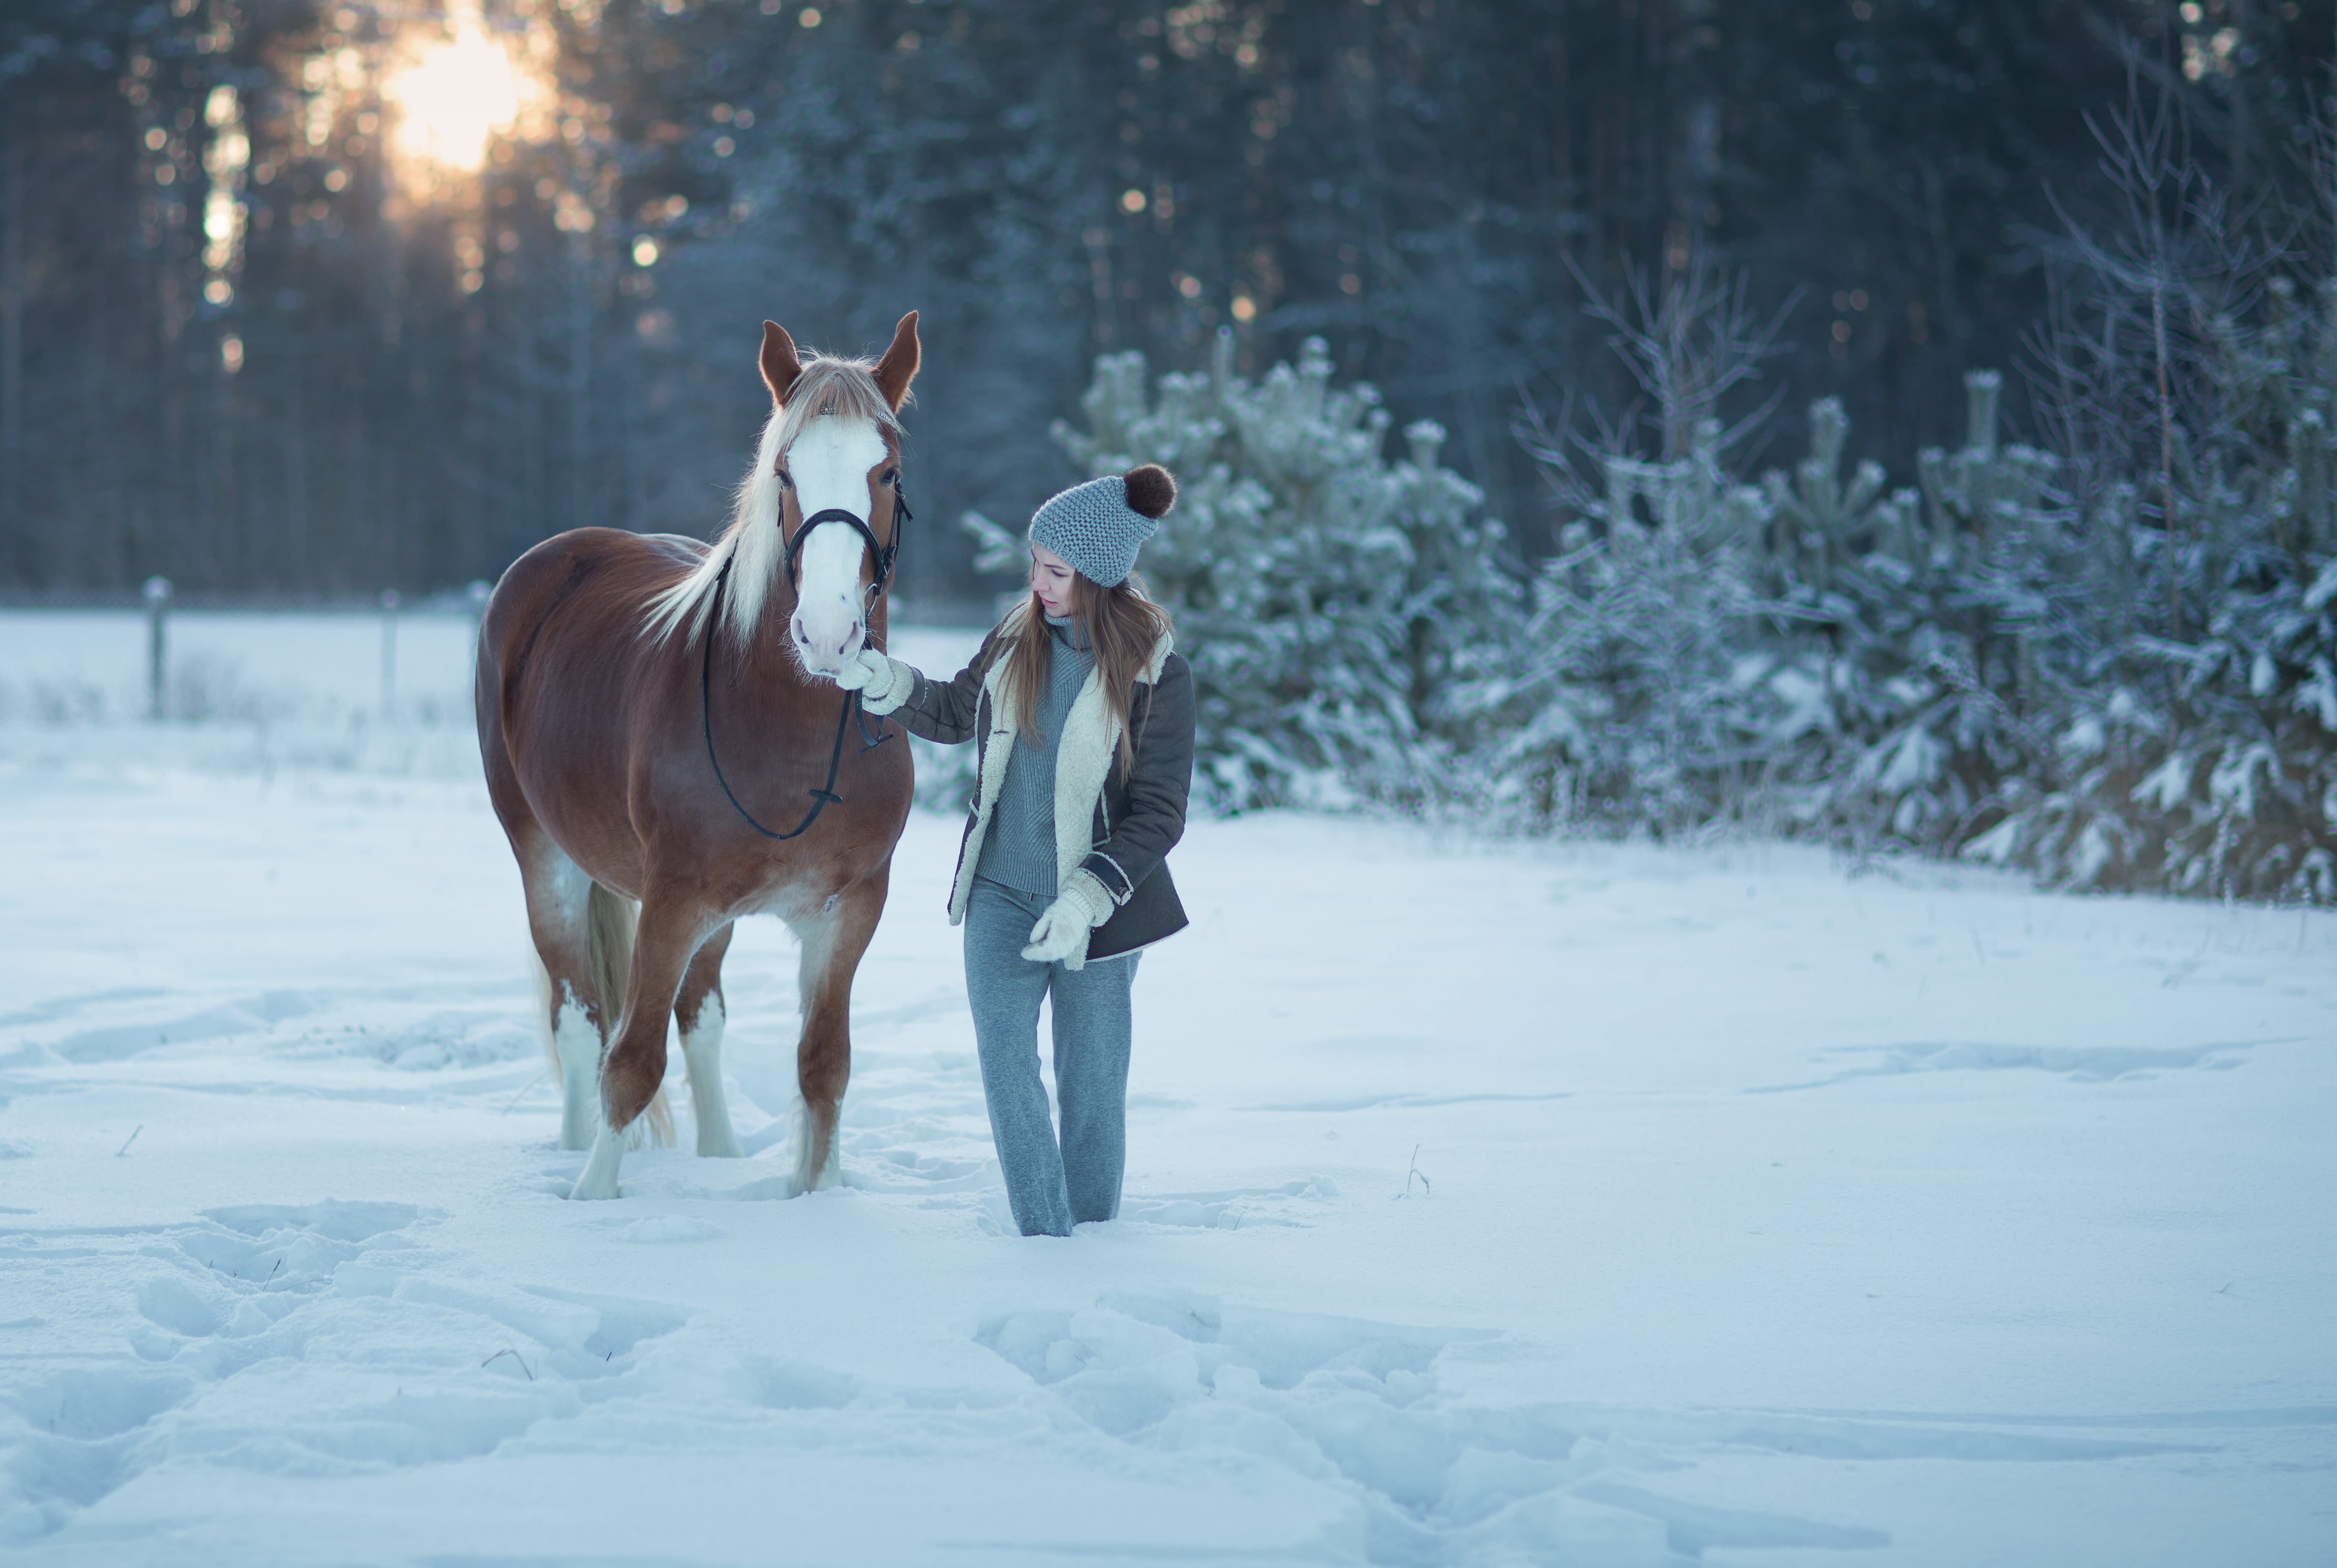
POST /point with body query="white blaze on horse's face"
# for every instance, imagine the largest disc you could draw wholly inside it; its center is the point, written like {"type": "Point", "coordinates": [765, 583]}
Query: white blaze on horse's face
{"type": "Point", "coordinates": [831, 464]}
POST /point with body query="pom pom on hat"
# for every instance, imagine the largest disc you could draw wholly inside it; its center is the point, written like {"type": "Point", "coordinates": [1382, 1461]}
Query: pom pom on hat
{"type": "Point", "coordinates": [1150, 491]}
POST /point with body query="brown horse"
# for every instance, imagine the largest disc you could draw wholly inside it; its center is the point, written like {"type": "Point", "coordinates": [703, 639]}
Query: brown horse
{"type": "Point", "coordinates": [615, 670]}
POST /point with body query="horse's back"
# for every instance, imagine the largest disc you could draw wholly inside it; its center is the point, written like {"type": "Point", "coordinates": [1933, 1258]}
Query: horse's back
{"type": "Point", "coordinates": [590, 588]}
{"type": "Point", "coordinates": [567, 664]}
{"type": "Point", "coordinates": [613, 561]}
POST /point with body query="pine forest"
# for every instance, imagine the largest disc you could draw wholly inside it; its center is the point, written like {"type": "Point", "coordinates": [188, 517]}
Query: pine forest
{"type": "Point", "coordinates": [1910, 424]}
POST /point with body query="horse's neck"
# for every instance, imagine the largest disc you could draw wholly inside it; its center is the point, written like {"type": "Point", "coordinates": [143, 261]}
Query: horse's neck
{"type": "Point", "coordinates": [768, 666]}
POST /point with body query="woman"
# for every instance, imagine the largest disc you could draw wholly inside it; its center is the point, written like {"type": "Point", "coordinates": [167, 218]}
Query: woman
{"type": "Point", "coordinates": [1083, 713]}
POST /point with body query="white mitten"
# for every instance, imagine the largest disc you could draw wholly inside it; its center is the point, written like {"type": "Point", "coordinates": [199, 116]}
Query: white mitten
{"type": "Point", "coordinates": [883, 684]}
{"type": "Point", "coordinates": [1060, 937]}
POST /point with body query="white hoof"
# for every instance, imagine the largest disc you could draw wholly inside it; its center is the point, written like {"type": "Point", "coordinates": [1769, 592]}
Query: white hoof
{"type": "Point", "coordinates": [830, 1173]}
{"type": "Point", "coordinates": [599, 1177]}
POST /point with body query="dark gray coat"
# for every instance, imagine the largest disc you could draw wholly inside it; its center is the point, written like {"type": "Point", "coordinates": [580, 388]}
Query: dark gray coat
{"type": "Point", "coordinates": [1136, 815]}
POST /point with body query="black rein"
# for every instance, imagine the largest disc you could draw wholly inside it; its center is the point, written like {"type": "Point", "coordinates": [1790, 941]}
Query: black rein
{"type": "Point", "coordinates": [884, 556]}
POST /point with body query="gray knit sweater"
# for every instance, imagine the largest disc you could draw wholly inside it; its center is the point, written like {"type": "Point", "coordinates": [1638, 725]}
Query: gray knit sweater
{"type": "Point", "coordinates": [1019, 851]}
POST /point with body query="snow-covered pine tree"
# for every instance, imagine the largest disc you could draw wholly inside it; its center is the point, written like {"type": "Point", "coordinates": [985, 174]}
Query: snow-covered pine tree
{"type": "Point", "coordinates": [2176, 588]}
{"type": "Point", "coordinates": [1345, 617]}
{"type": "Point", "coordinates": [1832, 655]}
{"type": "Point", "coordinates": [1835, 622]}
{"type": "Point", "coordinates": [1644, 710]}
{"type": "Point", "coordinates": [1462, 615]}
{"type": "Point", "coordinates": [2206, 762]}
{"type": "Point", "coordinates": [1924, 673]}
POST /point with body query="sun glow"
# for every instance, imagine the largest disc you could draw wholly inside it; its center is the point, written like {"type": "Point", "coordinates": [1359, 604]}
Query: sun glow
{"type": "Point", "coordinates": [452, 96]}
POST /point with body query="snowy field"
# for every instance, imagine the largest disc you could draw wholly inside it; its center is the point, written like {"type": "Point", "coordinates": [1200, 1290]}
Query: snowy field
{"type": "Point", "coordinates": [1487, 1203]}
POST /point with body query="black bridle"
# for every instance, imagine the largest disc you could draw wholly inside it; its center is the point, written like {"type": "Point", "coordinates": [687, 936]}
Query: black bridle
{"type": "Point", "coordinates": [883, 555]}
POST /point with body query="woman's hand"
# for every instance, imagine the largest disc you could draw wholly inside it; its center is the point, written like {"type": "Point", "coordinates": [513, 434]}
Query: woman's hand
{"type": "Point", "coordinates": [883, 684]}
{"type": "Point", "coordinates": [1060, 937]}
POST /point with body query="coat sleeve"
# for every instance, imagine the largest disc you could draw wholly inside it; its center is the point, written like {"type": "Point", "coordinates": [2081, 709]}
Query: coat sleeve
{"type": "Point", "coordinates": [948, 711]}
{"type": "Point", "coordinates": [1157, 787]}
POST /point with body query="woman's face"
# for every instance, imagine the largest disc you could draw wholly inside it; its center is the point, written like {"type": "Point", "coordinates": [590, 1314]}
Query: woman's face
{"type": "Point", "coordinates": [1051, 580]}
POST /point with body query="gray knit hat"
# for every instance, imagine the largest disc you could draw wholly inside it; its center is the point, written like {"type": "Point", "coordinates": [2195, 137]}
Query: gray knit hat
{"type": "Point", "coordinates": [1099, 526]}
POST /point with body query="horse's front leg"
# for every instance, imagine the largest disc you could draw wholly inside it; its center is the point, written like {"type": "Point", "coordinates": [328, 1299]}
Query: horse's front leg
{"type": "Point", "coordinates": [833, 940]}
{"type": "Point", "coordinates": [698, 1013]}
{"type": "Point", "coordinates": [634, 1067]}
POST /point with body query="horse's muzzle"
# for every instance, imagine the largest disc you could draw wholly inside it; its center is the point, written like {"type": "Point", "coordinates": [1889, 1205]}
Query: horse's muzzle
{"type": "Point", "coordinates": [825, 641]}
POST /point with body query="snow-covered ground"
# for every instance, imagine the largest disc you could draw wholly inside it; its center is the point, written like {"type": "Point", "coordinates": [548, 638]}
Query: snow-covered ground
{"type": "Point", "coordinates": [1488, 1203]}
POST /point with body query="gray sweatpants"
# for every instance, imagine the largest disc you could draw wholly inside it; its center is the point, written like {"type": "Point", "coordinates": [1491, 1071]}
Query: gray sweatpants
{"type": "Point", "coordinates": [1050, 1187]}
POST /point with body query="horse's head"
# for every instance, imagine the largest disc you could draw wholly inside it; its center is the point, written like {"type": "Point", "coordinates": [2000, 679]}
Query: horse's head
{"type": "Point", "coordinates": [820, 511]}
{"type": "Point", "coordinates": [834, 456]}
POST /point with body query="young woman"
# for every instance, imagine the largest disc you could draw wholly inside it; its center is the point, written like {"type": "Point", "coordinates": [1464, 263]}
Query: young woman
{"type": "Point", "coordinates": [1083, 713]}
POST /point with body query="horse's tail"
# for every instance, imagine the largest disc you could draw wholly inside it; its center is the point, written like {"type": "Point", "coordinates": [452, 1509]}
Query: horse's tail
{"type": "Point", "coordinates": [608, 921]}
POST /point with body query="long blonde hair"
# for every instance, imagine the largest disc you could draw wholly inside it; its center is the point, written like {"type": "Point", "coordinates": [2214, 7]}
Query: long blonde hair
{"type": "Point", "coordinates": [1123, 627]}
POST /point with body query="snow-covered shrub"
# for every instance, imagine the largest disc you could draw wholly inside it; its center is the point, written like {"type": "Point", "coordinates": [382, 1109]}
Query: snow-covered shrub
{"type": "Point", "coordinates": [1348, 618]}
{"type": "Point", "coordinates": [1992, 685]}
{"type": "Point", "coordinates": [2168, 605]}
{"type": "Point", "coordinates": [1918, 681]}
{"type": "Point", "coordinates": [2201, 756]}
{"type": "Point", "coordinates": [1643, 709]}
{"type": "Point", "coordinates": [1961, 668]}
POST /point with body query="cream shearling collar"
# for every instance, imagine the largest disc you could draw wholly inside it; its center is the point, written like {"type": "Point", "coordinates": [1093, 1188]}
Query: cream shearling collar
{"type": "Point", "coordinates": [1083, 756]}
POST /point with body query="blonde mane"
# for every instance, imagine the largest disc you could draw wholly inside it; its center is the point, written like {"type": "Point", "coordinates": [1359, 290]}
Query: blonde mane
{"type": "Point", "coordinates": [829, 384]}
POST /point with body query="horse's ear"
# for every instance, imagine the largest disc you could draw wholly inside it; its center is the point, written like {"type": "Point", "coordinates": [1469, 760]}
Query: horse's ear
{"type": "Point", "coordinates": [780, 366]}
{"type": "Point", "coordinates": [899, 365]}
